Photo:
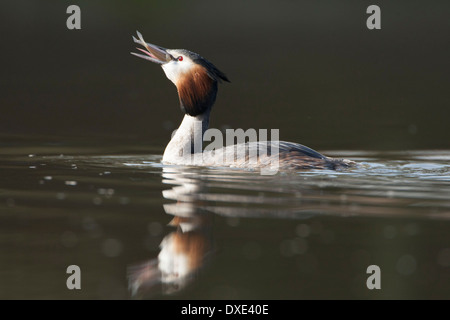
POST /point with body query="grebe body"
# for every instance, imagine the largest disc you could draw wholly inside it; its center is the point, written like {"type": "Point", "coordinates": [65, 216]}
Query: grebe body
{"type": "Point", "coordinates": [197, 82]}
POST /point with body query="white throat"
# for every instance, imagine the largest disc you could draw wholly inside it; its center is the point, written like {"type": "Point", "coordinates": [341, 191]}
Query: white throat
{"type": "Point", "coordinates": [175, 69]}
{"type": "Point", "coordinates": [188, 140]}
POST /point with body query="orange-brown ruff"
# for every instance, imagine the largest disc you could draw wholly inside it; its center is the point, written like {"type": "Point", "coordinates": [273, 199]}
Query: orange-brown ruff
{"type": "Point", "coordinates": [197, 81]}
{"type": "Point", "coordinates": [195, 90]}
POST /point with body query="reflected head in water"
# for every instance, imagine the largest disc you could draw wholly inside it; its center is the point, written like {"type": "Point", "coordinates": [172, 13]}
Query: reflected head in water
{"type": "Point", "coordinates": [183, 252]}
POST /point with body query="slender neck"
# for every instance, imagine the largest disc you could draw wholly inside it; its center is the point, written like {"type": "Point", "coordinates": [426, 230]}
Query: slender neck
{"type": "Point", "coordinates": [188, 138]}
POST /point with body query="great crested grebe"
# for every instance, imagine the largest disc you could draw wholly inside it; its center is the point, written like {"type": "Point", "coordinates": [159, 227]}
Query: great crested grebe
{"type": "Point", "coordinates": [197, 80]}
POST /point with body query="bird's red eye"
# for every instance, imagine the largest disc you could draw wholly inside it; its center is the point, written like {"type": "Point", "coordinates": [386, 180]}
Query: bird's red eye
{"type": "Point", "coordinates": [180, 58]}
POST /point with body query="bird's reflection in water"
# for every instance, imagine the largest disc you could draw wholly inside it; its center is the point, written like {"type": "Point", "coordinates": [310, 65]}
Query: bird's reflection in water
{"type": "Point", "coordinates": [184, 251]}
{"type": "Point", "coordinates": [197, 195]}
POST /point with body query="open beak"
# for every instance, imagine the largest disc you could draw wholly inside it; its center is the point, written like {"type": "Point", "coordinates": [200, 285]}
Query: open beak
{"type": "Point", "coordinates": [153, 53]}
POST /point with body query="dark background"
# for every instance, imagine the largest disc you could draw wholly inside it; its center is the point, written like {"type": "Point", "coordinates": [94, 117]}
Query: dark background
{"type": "Point", "coordinates": [310, 68]}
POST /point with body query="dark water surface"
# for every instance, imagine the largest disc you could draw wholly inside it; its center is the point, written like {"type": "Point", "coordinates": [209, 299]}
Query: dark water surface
{"type": "Point", "coordinates": [139, 229]}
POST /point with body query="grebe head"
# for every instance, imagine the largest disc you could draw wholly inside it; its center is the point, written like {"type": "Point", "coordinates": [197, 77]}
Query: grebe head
{"type": "Point", "coordinates": [195, 77]}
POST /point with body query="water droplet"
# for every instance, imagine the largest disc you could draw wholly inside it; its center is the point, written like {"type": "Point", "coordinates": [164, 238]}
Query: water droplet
{"type": "Point", "coordinates": [105, 192]}
{"type": "Point", "coordinates": [124, 200]}
{"type": "Point", "coordinates": [60, 196]}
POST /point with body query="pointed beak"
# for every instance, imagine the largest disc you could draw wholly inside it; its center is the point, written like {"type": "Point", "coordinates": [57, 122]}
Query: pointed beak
{"type": "Point", "coordinates": [153, 53]}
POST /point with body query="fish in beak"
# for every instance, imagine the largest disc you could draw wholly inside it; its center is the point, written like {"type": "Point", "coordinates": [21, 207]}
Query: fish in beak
{"type": "Point", "coordinates": [153, 53]}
